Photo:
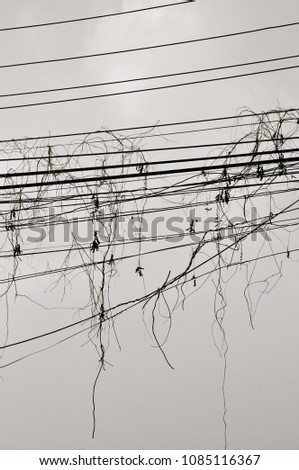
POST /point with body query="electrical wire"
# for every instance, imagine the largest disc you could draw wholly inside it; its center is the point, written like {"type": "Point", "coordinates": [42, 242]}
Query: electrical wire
{"type": "Point", "coordinates": [146, 48]}
{"type": "Point", "coordinates": [89, 18]}
{"type": "Point", "coordinates": [145, 90]}
{"type": "Point", "coordinates": [79, 322]}
{"type": "Point", "coordinates": [153, 126]}
{"type": "Point", "coordinates": [124, 151]}
{"type": "Point", "coordinates": [152, 77]}
{"type": "Point", "coordinates": [160, 172]}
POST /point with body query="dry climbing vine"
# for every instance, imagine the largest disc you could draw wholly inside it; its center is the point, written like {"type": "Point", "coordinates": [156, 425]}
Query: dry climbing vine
{"type": "Point", "coordinates": [108, 182]}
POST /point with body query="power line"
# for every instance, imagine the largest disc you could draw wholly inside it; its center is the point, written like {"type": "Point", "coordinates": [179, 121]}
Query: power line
{"type": "Point", "coordinates": [153, 126]}
{"type": "Point", "coordinates": [96, 187]}
{"type": "Point", "coordinates": [169, 285]}
{"type": "Point", "coordinates": [150, 192]}
{"type": "Point", "coordinates": [137, 151]}
{"type": "Point", "coordinates": [89, 18]}
{"type": "Point", "coordinates": [143, 90]}
{"type": "Point", "coordinates": [146, 164]}
{"type": "Point", "coordinates": [152, 77]}
{"type": "Point", "coordinates": [136, 255]}
{"type": "Point", "coordinates": [54, 220]}
{"type": "Point", "coordinates": [173, 282]}
{"type": "Point", "coordinates": [56, 198]}
{"type": "Point", "coordinates": [146, 48]}
{"type": "Point", "coordinates": [172, 190]}
{"type": "Point", "coordinates": [293, 221]}
{"type": "Point", "coordinates": [93, 263]}
{"type": "Point", "coordinates": [73, 181]}
{"type": "Point", "coordinates": [236, 263]}
{"type": "Point", "coordinates": [151, 136]}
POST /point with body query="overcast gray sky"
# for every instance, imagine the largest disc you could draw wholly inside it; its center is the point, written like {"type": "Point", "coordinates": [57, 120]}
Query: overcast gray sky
{"type": "Point", "coordinates": [142, 403]}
